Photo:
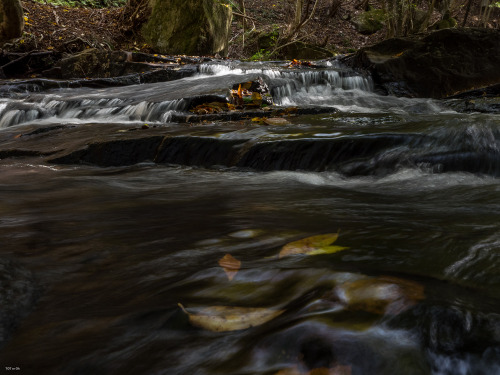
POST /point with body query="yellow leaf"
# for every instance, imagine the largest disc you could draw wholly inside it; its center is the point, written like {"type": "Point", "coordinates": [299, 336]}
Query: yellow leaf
{"type": "Point", "coordinates": [256, 98]}
{"type": "Point", "coordinates": [246, 85]}
{"type": "Point", "coordinates": [313, 245]}
{"type": "Point", "coordinates": [327, 250]}
{"type": "Point", "coordinates": [228, 318]}
{"type": "Point", "coordinates": [230, 265]}
{"type": "Point", "coordinates": [26, 18]}
{"type": "Point", "coordinates": [257, 119]}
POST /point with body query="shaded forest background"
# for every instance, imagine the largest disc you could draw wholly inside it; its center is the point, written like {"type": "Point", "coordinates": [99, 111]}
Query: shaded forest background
{"type": "Point", "coordinates": [259, 29]}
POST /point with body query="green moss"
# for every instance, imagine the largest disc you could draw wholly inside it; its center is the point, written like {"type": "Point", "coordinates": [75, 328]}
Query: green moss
{"type": "Point", "coordinates": [370, 22]}
{"type": "Point", "coordinates": [267, 39]}
{"type": "Point", "coordinates": [188, 27]}
{"type": "Point", "coordinates": [445, 24]}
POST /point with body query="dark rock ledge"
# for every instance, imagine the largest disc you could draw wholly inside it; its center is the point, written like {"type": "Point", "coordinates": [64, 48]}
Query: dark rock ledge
{"type": "Point", "coordinates": [437, 65]}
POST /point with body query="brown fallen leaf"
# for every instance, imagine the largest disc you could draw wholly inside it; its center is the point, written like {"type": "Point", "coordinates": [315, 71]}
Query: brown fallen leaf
{"type": "Point", "coordinates": [230, 264]}
{"type": "Point", "coordinates": [276, 121]}
{"type": "Point", "coordinates": [314, 245]}
{"type": "Point", "coordinates": [229, 318]}
{"type": "Point", "coordinates": [289, 371]}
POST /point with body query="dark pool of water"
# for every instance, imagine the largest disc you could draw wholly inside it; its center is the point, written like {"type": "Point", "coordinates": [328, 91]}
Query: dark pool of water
{"type": "Point", "coordinates": [94, 261]}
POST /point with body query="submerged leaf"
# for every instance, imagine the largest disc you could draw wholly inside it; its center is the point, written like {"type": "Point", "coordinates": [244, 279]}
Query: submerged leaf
{"type": "Point", "coordinates": [230, 265]}
{"type": "Point", "coordinates": [228, 318]}
{"type": "Point", "coordinates": [276, 121]}
{"type": "Point", "coordinates": [381, 295]}
{"type": "Point", "coordinates": [327, 250]}
{"type": "Point", "coordinates": [313, 245]}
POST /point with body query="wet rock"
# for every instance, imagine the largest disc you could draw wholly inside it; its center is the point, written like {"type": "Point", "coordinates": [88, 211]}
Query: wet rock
{"type": "Point", "coordinates": [114, 152]}
{"type": "Point", "coordinates": [441, 64]}
{"type": "Point", "coordinates": [93, 63]}
{"type": "Point", "coordinates": [19, 291]}
{"type": "Point", "coordinates": [42, 84]}
{"type": "Point", "coordinates": [15, 64]}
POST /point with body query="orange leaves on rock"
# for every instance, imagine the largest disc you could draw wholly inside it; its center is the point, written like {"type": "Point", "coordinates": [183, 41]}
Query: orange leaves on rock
{"type": "Point", "coordinates": [295, 63]}
{"type": "Point", "coordinates": [231, 265]}
{"type": "Point", "coordinates": [213, 107]}
{"type": "Point", "coordinates": [314, 245]}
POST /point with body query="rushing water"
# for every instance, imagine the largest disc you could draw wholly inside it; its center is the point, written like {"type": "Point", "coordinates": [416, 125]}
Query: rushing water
{"type": "Point", "coordinates": [95, 260]}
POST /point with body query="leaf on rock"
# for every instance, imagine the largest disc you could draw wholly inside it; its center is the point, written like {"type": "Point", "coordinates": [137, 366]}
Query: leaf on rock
{"type": "Point", "coordinates": [256, 99]}
{"type": "Point", "coordinates": [313, 245]}
{"type": "Point", "coordinates": [230, 265]}
{"type": "Point", "coordinates": [212, 107]}
{"type": "Point", "coordinates": [276, 121]}
{"type": "Point", "coordinates": [228, 318]}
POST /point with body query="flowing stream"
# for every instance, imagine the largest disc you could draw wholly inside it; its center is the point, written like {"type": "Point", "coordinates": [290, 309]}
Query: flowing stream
{"type": "Point", "coordinates": [95, 259]}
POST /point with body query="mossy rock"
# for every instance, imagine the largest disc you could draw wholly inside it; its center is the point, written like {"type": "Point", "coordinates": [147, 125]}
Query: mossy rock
{"type": "Point", "coordinates": [370, 22]}
{"type": "Point", "coordinates": [11, 20]}
{"type": "Point", "coordinates": [447, 23]}
{"type": "Point", "coordinates": [188, 27]}
{"type": "Point", "coordinates": [267, 39]}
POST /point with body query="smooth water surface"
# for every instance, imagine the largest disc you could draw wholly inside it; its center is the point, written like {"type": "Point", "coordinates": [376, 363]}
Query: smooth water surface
{"type": "Point", "coordinates": [99, 258]}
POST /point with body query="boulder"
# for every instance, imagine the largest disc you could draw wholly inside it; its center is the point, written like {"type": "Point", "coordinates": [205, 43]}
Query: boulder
{"type": "Point", "coordinates": [437, 65]}
{"type": "Point", "coordinates": [11, 20]}
{"type": "Point", "coordinates": [188, 27]}
{"type": "Point", "coordinates": [369, 22]}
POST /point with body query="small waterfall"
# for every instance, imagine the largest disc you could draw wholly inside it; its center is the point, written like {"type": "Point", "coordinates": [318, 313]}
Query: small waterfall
{"type": "Point", "coordinates": [100, 110]}
{"type": "Point", "coordinates": [328, 85]}
{"type": "Point", "coordinates": [299, 86]}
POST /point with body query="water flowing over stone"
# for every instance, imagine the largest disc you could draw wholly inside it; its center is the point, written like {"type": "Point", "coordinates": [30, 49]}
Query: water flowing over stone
{"type": "Point", "coordinates": [119, 199]}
